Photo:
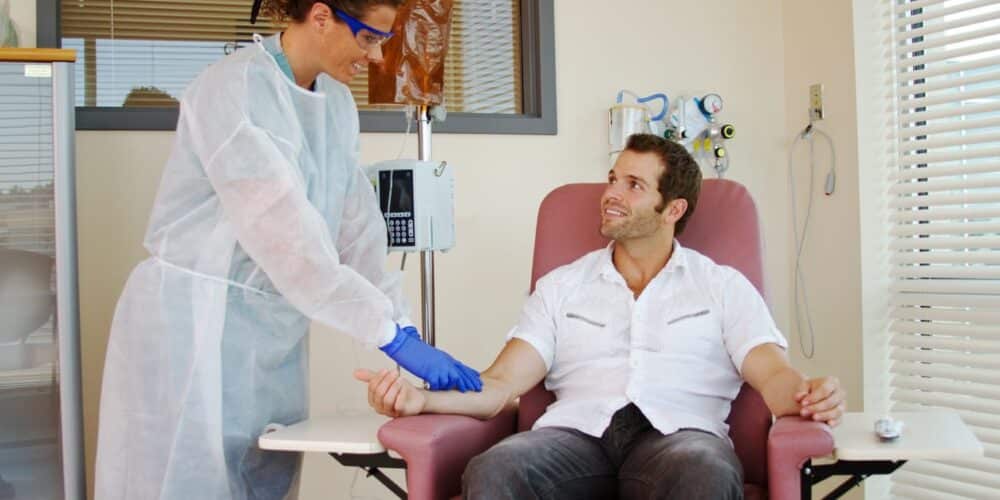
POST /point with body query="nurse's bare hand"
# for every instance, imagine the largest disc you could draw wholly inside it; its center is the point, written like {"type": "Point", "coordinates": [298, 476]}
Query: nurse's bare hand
{"type": "Point", "coordinates": [390, 394]}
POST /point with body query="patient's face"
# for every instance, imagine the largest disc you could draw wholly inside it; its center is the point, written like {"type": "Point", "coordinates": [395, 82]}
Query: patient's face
{"type": "Point", "coordinates": [628, 207]}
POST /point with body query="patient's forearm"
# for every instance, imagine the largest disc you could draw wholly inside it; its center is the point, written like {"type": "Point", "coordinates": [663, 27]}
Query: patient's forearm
{"type": "Point", "coordinates": [516, 370]}
{"type": "Point", "coordinates": [494, 397]}
{"type": "Point", "coordinates": [779, 392]}
{"type": "Point", "coordinates": [767, 369]}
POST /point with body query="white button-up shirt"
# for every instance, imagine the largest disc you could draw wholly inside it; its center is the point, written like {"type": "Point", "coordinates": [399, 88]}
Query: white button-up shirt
{"type": "Point", "coordinates": [676, 351]}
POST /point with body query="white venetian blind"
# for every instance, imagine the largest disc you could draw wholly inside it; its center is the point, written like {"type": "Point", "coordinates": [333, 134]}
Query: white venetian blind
{"type": "Point", "coordinates": [945, 233]}
{"type": "Point", "coordinates": [143, 53]}
{"type": "Point", "coordinates": [26, 161]}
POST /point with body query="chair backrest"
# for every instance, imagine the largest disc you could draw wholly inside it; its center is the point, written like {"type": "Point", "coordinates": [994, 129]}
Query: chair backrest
{"type": "Point", "coordinates": [724, 226]}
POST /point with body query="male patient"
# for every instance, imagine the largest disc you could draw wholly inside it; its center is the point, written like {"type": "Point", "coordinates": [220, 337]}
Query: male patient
{"type": "Point", "coordinates": [645, 344]}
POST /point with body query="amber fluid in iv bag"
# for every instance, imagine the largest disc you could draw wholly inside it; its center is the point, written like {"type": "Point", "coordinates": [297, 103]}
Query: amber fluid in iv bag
{"type": "Point", "coordinates": [413, 69]}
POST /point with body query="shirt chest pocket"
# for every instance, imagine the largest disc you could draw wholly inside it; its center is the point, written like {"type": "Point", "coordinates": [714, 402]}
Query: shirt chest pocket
{"type": "Point", "coordinates": [585, 335]}
{"type": "Point", "coordinates": [690, 331]}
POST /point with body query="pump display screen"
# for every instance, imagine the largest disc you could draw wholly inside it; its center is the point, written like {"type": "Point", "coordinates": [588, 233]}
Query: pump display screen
{"type": "Point", "coordinates": [396, 192]}
{"type": "Point", "coordinates": [396, 202]}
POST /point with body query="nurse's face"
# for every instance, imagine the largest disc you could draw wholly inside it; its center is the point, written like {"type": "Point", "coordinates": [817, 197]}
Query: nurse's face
{"type": "Point", "coordinates": [344, 54]}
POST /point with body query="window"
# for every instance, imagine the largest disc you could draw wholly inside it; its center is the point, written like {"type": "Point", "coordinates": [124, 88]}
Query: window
{"type": "Point", "coordinates": [135, 57]}
{"type": "Point", "coordinates": [944, 234]}
{"type": "Point", "coordinates": [27, 174]}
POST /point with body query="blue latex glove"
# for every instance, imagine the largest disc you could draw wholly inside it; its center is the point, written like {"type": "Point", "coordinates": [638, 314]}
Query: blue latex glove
{"type": "Point", "coordinates": [440, 370]}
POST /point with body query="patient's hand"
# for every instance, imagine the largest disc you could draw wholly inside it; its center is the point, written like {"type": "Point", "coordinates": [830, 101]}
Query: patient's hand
{"type": "Point", "coordinates": [391, 395]}
{"type": "Point", "coordinates": [822, 399]}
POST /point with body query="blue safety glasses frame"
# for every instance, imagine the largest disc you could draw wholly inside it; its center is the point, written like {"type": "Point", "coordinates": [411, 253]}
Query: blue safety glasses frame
{"type": "Point", "coordinates": [367, 36]}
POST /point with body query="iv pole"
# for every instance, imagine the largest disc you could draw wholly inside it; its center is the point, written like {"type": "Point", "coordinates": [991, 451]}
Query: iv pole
{"type": "Point", "coordinates": [424, 119]}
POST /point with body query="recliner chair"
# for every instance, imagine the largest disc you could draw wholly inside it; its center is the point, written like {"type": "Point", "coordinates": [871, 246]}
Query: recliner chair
{"type": "Point", "coordinates": [725, 227]}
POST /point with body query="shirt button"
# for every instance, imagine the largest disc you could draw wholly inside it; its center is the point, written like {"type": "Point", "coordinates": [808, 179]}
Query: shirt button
{"type": "Point", "coordinates": [634, 363]}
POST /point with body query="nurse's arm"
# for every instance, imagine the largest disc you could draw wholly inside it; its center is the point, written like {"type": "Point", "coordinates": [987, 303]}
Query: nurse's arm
{"type": "Point", "coordinates": [787, 392]}
{"type": "Point", "coordinates": [517, 369]}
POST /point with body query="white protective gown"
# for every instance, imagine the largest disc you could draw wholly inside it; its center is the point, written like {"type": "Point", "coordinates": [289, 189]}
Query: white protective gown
{"type": "Point", "coordinates": [263, 222]}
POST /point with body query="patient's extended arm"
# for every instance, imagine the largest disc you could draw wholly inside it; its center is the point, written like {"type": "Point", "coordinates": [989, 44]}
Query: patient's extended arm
{"type": "Point", "coordinates": [788, 392]}
{"type": "Point", "coordinates": [516, 370]}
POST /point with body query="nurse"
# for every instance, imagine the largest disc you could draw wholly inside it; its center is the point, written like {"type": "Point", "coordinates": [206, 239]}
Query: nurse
{"type": "Point", "coordinates": [263, 222]}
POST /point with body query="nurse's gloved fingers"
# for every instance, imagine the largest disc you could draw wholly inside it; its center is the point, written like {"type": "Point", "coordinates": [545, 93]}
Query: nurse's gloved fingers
{"type": "Point", "coordinates": [474, 375]}
{"type": "Point", "coordinates": [476, 382]}
{"type": "Point", "coordinates": [455, 379]}
{"type": "Point", "coordinates": [459, 382]}
{"type": "Point", "coordinates": [452, 384]}
{"type": "Point", "coordinates": [447, 381]}
{"type": "Point", "coordinates": [467, 381]}
{"type": "Point", "coordinates": [438, 382]}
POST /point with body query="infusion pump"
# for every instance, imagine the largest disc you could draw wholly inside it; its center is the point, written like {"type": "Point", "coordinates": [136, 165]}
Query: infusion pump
{"type": "Point", "coordinates": [417, 199]}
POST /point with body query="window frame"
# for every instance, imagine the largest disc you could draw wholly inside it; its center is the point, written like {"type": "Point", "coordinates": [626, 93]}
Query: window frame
{"type": "Point", "coordinates": [538, 81]}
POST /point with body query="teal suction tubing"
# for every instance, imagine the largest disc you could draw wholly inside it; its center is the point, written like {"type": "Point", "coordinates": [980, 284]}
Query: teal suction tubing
{"type": "Point", "coordinates": [644, 100]}
{"type": "Point", "coordinates": [666, 104]}
{"type": "Point", "coordinates": [621, 95]}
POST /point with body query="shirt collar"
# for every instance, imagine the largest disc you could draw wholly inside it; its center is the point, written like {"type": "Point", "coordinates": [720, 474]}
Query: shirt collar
{"type": "Point", "coordinates": [605, 267]}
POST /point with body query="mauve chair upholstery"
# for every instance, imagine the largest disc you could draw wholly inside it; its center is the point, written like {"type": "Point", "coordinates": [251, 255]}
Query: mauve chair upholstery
{"type": "Point", "coordinates": [726, 228]}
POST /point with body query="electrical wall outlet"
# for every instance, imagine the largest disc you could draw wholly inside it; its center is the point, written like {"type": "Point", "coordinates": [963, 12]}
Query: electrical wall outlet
{"type": "Point", "coordinates": [816, 102]}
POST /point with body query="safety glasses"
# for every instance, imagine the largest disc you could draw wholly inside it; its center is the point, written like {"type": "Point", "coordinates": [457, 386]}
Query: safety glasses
{"type": "Point", "coordinates": [368, 38]}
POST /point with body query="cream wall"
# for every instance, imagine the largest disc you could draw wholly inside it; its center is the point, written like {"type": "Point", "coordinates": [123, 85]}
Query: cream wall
{"type": "Point", "coordinates": [752, 53]}
{"type": "Point", "coordinates": [818, 48]}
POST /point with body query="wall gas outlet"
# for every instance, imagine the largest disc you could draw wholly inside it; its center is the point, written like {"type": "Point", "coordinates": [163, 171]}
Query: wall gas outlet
{"type": "Point", "coordinates": [816, 102]}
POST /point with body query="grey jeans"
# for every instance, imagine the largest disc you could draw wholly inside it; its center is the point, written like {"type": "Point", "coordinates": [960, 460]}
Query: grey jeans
{"type": "Point", "coordinates": [632, 460]}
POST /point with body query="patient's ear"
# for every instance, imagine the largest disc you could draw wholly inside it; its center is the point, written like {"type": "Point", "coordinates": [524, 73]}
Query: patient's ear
{"type": "Point", "coordinates": [674, 210]}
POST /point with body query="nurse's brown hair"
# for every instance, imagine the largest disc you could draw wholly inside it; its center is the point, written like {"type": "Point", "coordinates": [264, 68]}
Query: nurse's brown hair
{"type": "Point", "coordinates": [297, 10]}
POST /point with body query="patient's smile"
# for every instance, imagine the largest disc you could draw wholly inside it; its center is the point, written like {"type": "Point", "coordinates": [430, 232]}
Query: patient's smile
{"type": "Point", "coordinates": [612, 211]}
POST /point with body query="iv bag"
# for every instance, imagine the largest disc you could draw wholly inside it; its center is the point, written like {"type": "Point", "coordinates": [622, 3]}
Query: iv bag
{"type": "Point", "coordinates": [413, 69]}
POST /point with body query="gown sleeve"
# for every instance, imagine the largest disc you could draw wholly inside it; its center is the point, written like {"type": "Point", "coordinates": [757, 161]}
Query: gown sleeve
{"type": "Point", "coordinates": [363, 243]}
{"type": "Point", "coordinates": [263, 197]}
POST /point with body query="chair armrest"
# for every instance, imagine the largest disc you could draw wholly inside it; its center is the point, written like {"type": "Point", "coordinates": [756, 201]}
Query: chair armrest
{"type": "Point", "coordinates": [437, 448]}
{"type": "Point", "coordinates": [791, 442]}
